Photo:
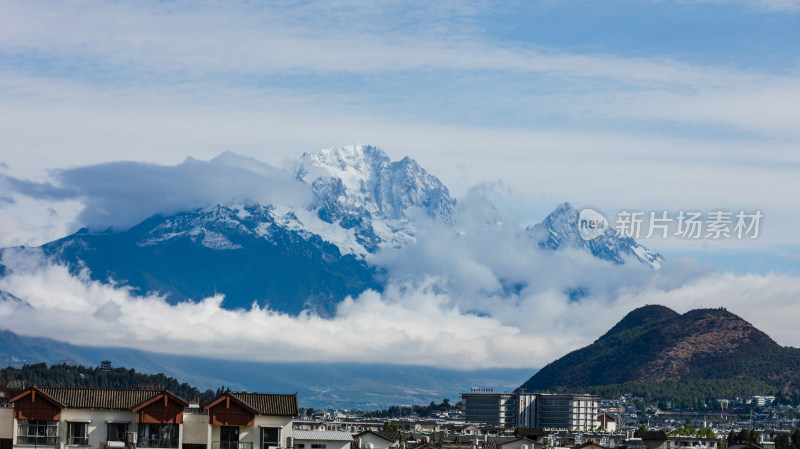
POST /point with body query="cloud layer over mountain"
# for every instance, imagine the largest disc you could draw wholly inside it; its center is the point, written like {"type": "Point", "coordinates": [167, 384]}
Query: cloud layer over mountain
{"type": "Point", "coordinates": [473, 294]}
{"type": "Point", "coordinates": [119, 195]}
{"type": "Point", "coordinates": [420, 322]}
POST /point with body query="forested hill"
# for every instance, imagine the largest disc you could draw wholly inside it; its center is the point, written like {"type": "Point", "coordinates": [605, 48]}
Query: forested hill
{"type": "Point", "coordinates": [80, 376]}
{"type": "Point", "coordinates": [704, 353]}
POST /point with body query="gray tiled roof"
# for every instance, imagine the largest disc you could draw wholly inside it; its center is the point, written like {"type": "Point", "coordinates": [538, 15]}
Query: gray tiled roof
{"type": "Point", "coordinates": [269, 404]}
{"type": "Point", "coordinates": [650, 434]}
{"type": "Point", "coordinates": [321, 435]}
{"type": "Point", "coordinates": [98, 398]}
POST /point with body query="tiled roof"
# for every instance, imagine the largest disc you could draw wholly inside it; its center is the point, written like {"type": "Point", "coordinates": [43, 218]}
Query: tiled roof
{"type": "Point", "coordinates": [650, 434]}
{"type": "Point", "coordinates": [269, 404]}
{"type": "Point", "coordinates": [392, 435]}
{"type": "Point", "coordinates": [744, 446]}
{"type": "Point", "coordinates": [590, 445]}
{"type": "Point", "coordinates": [388, 435]}
{"type": "Point", "coordinates": [321, 435]}
{"type": "Point", "coordinates": [99, 399]}
{"type": "Point", "coordinates": [529, 432]}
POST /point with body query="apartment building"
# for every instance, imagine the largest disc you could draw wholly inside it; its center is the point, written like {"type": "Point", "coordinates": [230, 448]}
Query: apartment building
{"type": "Point", "coordinates": [86, 418]}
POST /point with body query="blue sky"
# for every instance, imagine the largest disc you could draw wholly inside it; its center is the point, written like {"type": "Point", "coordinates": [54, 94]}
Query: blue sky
{"type": "Point", "coordinates": [655, 105]}
{"type": "Point", "coordinates": [614, 105]}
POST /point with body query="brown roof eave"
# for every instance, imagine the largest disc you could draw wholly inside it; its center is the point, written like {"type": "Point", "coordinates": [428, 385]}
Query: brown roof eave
{"type": "Point", "coordinates": [37, 391]}
{"type": "Point", "coordinates": [158, 397]}
{"type": "Point", "coordinates": [221, 397]}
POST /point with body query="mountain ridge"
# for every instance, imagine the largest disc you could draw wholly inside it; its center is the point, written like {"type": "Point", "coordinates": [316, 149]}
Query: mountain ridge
{"type": "Point", "coordinates": [560, 229]}
{"type": "Point", "coordinates": [656, 344]}
{"type": "Point", "coordinates": [319, 385]}
{"type": "Point", "coordinates": [294, 259]}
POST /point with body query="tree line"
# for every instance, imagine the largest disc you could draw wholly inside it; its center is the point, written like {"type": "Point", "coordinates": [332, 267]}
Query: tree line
{"type": "Point", "coordinates": [397, 411]}
{"type": "Point", "coordinates": [65, 376]}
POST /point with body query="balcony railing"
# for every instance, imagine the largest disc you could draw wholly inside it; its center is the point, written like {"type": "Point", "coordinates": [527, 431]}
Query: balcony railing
{"type": "Point", "coordinates": [37, 441]}
{"type": "Point", "coordinates": [158, 443]}
{"type": "Point", "coordinates": [231, 445]}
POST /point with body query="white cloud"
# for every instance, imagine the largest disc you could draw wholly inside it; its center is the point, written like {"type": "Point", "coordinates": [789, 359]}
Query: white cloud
{"type": "Point", "coordinates": [121, 194]}
{"type": "Point", "coordinates": [414, 322]}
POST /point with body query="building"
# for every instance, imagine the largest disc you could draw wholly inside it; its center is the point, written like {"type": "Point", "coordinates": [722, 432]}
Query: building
{"type": "Point", "coordinates": [606, 422]}
{"type": "Point", "coordinates": [526, 410]}
{"type": "Point", "coordinates": [499, 409]}
{"type": "Point", "coordinates": [557, 411]}
{"type": "Point", "coordinates": [328, 439]}
{"type": "Point", "coordinates": [251, 420]}
{"type": "Point", "coordinates": [378, 440]}
{"type": "Point", "coordinates": [566, 411]}
{"type": "Point", "coordinates": [87, 418]}
{"type": "Point", "coordinates": [97, 418]}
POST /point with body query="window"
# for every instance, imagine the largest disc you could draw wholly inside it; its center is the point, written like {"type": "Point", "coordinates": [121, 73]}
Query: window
{"type": "Point", "coordinates": [229, 437]}
{"type": "Point", "coordinates": [117, 431]}
{"type": "Point", "coordinates": [37, 432]}
{"type": "Point", "coordinates": [78, 434]}
{"type": "Point", "coordinates": [300, 446]}
{"type": "Point", "coordinates": [317, 446]}
{"type": "Point", "coordinates": [158, 435]}
{"type": "Point", "coordinates": [270, 437]}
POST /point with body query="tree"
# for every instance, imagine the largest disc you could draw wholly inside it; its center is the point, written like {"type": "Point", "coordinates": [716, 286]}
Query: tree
{"type": "Point", "coordinates": [743, 437]}
{"type": "Point", "coordinates": [391, 426]}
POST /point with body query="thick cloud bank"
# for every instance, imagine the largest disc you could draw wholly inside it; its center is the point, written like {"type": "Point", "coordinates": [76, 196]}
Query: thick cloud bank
{"type": "Point", "coordinates": [423, 321]}
{"type": "Point", "coordinates": [118, 195]}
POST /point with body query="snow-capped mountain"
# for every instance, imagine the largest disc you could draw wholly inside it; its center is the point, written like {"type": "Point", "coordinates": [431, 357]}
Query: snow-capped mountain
{"type": "Point", "coordinates": [560, 230]}
{"type": "Point", "coordinates": [311, 256]}
{"type": "Point", "coordinates": [249, 253]}
{"type": "Point", "coordinates": [359, 188]}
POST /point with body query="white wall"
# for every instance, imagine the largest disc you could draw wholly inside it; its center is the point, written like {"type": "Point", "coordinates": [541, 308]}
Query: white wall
{"type": "Point", "coordinates": [6, 422]}
{"type": "Point", "coordinates": [377, 442]}
{"type": "Point", "coordinates": [329, 444]}
{"type": "Point", "coordinates": [195, 428]}
{"type": "Point", "coordinates": [98, 425]}
{"type": "Point", "coordinates": [248, 434]}
{"type": "Point", "coordinates": [518, 445]}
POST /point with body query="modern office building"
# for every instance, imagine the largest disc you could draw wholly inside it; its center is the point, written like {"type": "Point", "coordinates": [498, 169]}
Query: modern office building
{"type": "Point", "coordinates": [485, 406]}
{"type": "Point", "coordinates": [566, 411]}
{"type": "Point", "coordinates": [557, 411]}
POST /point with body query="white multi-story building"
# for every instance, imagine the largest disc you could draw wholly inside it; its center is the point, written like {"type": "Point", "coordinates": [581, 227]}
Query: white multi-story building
{"type": "Point", "coordinates": [85, 418]}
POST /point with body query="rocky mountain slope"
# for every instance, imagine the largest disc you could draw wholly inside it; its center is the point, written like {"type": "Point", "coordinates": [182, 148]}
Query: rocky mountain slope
{"type": "Point", "coordinates": [656, 344]}
{"type": "Point", "coordinates": [560, 230]}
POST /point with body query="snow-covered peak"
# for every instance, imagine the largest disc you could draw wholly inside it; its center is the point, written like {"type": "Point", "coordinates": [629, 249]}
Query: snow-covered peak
{"type": "Point", "coordinates": [359, 187]}
{"type": "Point", "coordinates": [560, 230]}
{"type": "Point", "coordinates": [353, 164]}
{"type": "Point", "coordinates": [362, 179]}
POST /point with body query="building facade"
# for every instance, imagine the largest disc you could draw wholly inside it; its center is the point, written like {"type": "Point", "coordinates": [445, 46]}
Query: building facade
{"type": "Point", "coordinates": [85, 418]}
{"type": "Point", "coordinates": [557, 411]}
{"type": "Point", "coordinates": [566, 411]}
{"type": "Point", "coordinates": [498, 409]}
